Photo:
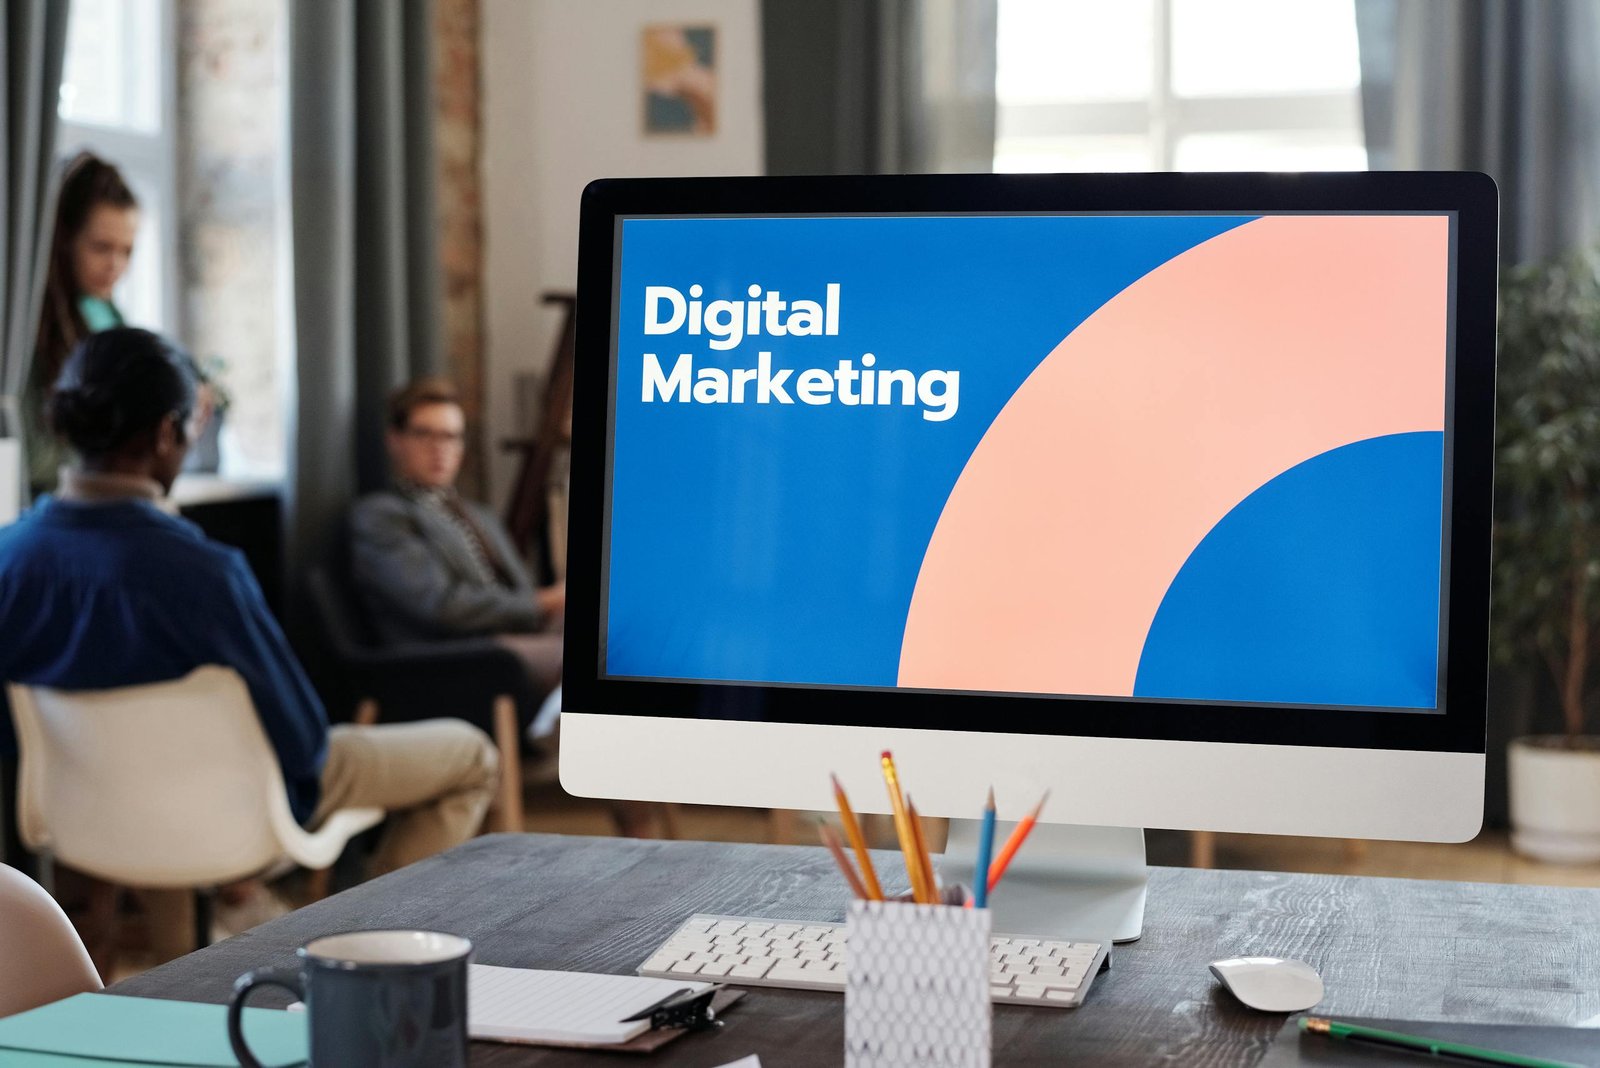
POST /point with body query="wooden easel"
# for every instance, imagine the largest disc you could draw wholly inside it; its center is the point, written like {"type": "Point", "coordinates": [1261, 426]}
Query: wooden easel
{"type": "Point", "coordinates": [528, 512]}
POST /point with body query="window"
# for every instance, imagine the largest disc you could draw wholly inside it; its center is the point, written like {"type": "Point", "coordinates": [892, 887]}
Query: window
{"type": "Point", "coordinates": [1085, 85]}
{"type": "Point", "coordinates": [117, 100]}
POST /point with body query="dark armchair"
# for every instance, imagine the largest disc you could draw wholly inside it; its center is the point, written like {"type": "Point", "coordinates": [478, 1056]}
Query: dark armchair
{"type": "Point", "coordinates": [475, 679]}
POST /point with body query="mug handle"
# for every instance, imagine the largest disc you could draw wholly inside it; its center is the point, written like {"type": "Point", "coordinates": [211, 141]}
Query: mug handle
{"type": "Point", "coordinates": [286, 978]}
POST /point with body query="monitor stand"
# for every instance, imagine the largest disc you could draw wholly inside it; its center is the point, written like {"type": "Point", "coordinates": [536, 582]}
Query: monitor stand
{"type": "Point", "coordinates": [1084, 882]}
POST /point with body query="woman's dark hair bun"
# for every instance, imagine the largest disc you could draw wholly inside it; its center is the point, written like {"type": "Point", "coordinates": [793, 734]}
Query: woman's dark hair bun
{"type": "Point", "coordinates": [117, 386]}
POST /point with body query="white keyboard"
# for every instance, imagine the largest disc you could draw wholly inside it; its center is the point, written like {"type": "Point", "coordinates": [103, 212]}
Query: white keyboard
{"type": "Point", "coordinates": [746, 951]}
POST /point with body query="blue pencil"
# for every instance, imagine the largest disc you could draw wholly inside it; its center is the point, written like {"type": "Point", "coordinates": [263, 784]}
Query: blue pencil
{"type": "Point", "coordinates": [980, 877]}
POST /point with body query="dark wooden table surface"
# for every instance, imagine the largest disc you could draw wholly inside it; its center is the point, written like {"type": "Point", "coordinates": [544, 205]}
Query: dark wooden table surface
{"type": "Point", "coordinates": [1386, 947]}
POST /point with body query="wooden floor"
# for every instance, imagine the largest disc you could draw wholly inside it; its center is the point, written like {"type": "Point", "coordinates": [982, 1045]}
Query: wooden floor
{"type": "Point", "coordinates": [1488, 859]}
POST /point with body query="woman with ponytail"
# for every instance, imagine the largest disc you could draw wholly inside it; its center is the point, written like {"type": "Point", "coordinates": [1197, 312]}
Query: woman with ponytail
{"type": "Point", "coordinates": [97, 218]}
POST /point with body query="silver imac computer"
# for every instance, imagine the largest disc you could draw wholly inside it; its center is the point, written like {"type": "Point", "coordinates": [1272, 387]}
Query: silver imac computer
{"type": "Point", "coordinates": [1168, 493]}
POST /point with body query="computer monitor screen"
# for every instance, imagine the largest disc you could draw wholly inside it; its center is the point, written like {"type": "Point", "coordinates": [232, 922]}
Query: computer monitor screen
{"type": "Point", "coordinates": [1194, 460]}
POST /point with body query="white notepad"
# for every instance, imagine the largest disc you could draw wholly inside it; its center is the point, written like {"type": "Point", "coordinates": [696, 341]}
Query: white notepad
{"type": "Point", "coordinates": [563, 1008]}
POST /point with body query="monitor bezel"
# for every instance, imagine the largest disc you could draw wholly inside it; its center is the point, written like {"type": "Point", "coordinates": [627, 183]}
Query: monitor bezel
{"type": "Point", "coordinates": [1469, 196]}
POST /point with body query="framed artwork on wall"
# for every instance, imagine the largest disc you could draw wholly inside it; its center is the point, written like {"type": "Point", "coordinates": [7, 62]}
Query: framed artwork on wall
{"type": "Point", "coordinates": [678, 72]}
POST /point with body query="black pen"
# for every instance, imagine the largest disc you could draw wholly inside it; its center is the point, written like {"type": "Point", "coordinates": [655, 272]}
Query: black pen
{"type": "Point", "coordinates": [676, 999]}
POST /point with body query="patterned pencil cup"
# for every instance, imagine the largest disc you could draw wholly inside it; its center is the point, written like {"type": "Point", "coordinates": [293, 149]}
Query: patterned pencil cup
{"type": "Point", "coordinates": [918, 987]}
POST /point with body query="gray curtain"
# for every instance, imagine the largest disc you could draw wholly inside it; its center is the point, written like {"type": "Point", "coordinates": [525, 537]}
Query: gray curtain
{"type": "Point", "coordinates": [1510, 87]}
{"type": "Point", "coordinates": [878, 86]}
{"type": "Point", "coordinates": [35, 35]}
{"type": "Point", "coordinates": [367, 283]}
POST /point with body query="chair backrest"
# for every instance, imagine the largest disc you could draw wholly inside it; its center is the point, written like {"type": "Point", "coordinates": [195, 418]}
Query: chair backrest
{"type": "Point", "coordinates": [171, 784]}
{"type": "Point", "coordinates": [343, 621]}
{"type": "Point", "coordinates": [41, 957]}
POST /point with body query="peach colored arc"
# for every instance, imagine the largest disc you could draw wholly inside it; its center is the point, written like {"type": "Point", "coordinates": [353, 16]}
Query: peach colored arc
{"type": "Point", "coordinates": [1222, 368]}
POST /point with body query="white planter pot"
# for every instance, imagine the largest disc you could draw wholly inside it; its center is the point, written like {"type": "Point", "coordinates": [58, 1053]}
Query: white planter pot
{"type": "Point", "coordinates": [1555, 800]}
{"type": "Point", "coordinates": [10, 479]}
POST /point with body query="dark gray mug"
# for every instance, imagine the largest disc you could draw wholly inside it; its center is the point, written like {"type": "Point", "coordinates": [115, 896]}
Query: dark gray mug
{"type": "Point", "coordinates": [380, 999]}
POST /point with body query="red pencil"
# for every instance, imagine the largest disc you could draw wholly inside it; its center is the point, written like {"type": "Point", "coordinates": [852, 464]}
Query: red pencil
{"type": "Point", "coordinates": [1014, 843]}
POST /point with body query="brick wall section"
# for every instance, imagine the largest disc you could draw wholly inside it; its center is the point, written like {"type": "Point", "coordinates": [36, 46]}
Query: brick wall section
{"type": "Point", "coordinates": [456, 85]}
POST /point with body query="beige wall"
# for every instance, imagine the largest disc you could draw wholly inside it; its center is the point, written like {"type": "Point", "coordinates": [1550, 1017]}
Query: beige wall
{"type": "Point", "coordinates": [562, 105]}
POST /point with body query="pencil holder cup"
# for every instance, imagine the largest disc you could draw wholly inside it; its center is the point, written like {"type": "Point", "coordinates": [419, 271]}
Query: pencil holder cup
{"type": "Point", "coordinates": [918, 987]}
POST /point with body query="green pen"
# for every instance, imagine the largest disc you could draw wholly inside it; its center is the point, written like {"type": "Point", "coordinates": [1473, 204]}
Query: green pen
{"type": "Point", "coordinates": [1435, 1047]}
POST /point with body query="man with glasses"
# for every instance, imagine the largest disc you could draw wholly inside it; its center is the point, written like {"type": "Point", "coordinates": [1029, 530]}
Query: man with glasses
{"type": "Point", "coordinates": [430, 565]}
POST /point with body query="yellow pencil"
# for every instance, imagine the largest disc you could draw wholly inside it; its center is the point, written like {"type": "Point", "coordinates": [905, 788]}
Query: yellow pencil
{"type": "Point", "coordinates": [930, 885]}
{"type": "Point", "coordinates": [830, 838]}
{"type": "Point", "coordinates": [858, 841]}
{"type": "Point", "coordinates": [902, 826]}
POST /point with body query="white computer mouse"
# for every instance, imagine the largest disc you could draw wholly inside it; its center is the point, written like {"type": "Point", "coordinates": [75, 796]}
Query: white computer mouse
{"type": "Point", "coordinates": [1271, 984]}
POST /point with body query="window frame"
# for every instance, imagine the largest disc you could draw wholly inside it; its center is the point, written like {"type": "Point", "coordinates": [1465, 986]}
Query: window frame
{"type": "Point", "coordinates": [1164, 118]}
{"type": "Point", "coordinates": [148, 160]}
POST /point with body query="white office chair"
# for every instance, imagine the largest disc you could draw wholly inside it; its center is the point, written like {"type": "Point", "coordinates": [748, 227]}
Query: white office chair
{"type": "Point", "coordinates": [41, 957]}
{"type": "Point", "coordinates": [167, 785]}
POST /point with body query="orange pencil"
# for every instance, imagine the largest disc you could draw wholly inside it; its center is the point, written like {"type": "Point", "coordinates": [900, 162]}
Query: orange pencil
{"type": "Point", "coordinates": [858, 841]}
{"type": "Point", "coordinates": [1014, 843]}
{"type": "Point", "coordinates": [830, 838]}
{"type": "Point", "coordinates": [930, 885]}
{"type": "Point", "coordinates": [902, 826]}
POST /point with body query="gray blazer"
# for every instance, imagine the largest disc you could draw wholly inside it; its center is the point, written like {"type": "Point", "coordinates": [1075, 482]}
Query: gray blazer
{"type": "Point", "coordinates": [416, 574]}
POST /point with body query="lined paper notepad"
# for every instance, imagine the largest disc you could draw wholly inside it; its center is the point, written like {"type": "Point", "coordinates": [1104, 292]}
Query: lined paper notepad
{"type": "Point", "coordinates": [563, 1008]}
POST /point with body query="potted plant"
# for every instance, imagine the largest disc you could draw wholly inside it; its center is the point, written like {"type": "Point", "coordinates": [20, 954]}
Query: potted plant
{"type": "Point", "coordinates": [1546, 613]}
{"type": "Point", "coordinates": [211, 408]}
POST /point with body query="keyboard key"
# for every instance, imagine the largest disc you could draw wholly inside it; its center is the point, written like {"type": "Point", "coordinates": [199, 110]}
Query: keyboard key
{"type": "Point", "coordinates": [753, 970]}
{"type": "Point", "coordinates": [659, 963]}
{"type": "Point", "coordinates": [685, 967]}
{"type": "Point", "coordinates": [716, 968]}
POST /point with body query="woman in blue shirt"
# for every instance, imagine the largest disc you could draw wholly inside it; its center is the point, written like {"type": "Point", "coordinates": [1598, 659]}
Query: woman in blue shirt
{"type": "Point", "coordinates": [100, 587]}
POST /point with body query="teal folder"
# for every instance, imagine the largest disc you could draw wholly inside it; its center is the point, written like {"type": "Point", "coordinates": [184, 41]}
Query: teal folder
{"type": "Point", "coordinates": [101, 1029]}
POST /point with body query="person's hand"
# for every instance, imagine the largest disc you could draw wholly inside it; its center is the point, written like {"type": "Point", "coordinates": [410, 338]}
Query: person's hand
{"type": "Point", "coordinates": [552, 600]}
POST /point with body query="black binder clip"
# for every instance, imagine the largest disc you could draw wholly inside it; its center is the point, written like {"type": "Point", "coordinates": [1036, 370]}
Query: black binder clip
{"type": "Point", "coordinates": [686, 1008]}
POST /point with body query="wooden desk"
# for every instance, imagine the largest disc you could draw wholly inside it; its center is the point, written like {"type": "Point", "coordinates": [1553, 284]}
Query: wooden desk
{"type": "Point", "coordinates": [1386, 947]}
